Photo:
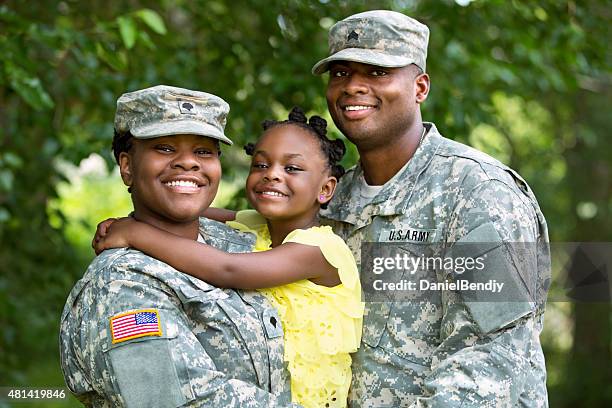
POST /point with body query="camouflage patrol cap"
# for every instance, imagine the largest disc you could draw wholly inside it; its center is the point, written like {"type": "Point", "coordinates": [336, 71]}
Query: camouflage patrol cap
{"type": "Point", "coordinates": [380, 37]}
{"type": "Point", "coordinates": [166, 110]}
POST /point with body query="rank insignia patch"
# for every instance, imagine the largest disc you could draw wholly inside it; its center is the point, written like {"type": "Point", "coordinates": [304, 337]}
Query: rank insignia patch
{"type": "Point", "coordinates": [135, 324]}
{"type": "Point", "coordinates": [187, 108]}
{"type": "Point", "coordinates": [353, 36]}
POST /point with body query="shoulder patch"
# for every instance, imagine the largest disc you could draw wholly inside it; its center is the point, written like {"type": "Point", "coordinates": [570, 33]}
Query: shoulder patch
{"type": "Point", "coordinates": [135, 324]}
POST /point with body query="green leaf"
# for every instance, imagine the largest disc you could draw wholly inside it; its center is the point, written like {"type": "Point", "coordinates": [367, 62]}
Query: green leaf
{"type": "Point", "coordinates": [146, 40]}
{"type": "Point", "coordinates": [4, 214]}
{"type": "Point", "coordinates": [28, 87]}
{"type": "Point", "coordinates": [128, 31]}
{"type": "Point", "coordinates": [153, 20]}
{"type": "Point", "coordinates": [12, 160]}
{"type": "Point", "coordinates": [115, 59]}
{"type": "Point", "coordinates": [6, 180]}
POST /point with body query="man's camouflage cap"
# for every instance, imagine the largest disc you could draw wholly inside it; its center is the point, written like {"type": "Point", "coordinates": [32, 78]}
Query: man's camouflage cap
{"type": "Point", "coordinates": [166, 110]}
{"type": "Point", "coordinates": [381, 37]}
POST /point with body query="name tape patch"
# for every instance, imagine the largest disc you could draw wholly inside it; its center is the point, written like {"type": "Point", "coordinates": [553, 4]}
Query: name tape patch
{"type": "Point", "coordinates": [135, 324]}
{"type": "Point", "coordinates": [406, 235]}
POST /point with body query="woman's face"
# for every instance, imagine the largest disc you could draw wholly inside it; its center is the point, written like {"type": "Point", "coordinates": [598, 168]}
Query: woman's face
{"type": "Point", "coordinates": [172, 178]}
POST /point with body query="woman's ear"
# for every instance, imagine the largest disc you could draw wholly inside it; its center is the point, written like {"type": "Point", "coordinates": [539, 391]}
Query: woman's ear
{"type": "Point", "coordinates": [327, 190]}
{"type": "Point", "coordinates": [125, 168]}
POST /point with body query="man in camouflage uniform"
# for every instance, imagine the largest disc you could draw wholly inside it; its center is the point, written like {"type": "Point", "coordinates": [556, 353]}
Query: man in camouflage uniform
{"type": "Point", "coordinates": [137, 333]}
{"type": "Point", "coordinates": [410, 186]}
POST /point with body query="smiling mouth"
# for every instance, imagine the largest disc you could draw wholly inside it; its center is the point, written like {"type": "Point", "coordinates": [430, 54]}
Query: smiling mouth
{"type": "Point", "coordinates": [271, 194]}
{"type": "Point", "coordinates": [352, 108]}
{"type": "Point", "coordinates": [181, 183]}
{"type": "Point", "coordinates": [184, 186]}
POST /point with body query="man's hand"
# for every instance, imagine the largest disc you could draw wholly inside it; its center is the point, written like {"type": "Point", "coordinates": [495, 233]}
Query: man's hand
{"type": "Point", "coordinates": [113, 233]}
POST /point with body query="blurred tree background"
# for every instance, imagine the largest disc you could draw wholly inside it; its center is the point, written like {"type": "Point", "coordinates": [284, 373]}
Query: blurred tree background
{"type": "Point", "coordinates": [526, 81]}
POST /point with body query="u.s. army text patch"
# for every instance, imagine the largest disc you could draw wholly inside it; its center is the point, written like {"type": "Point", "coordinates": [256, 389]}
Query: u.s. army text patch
{"type": "Point", "coordinates": [135, 324]}
{"type": "Point", "coordinates": [406, 234]}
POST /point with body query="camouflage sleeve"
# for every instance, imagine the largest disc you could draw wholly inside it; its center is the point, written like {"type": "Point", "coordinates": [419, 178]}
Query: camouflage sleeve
{"type": "Point", "coordinates": [167, 369]}
{"type": "Point", "coordinates": [489, 343]}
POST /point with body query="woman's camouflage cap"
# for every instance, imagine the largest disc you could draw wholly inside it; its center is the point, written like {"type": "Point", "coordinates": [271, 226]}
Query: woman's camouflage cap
{"type": "Point", "coordinates": [166, 110]}
{"type": "Point", "coordinates": [380, 37]}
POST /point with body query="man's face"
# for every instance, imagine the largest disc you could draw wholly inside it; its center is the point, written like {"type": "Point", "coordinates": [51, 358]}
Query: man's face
{"type": "Point", "coordinates": [372, 105]}
{"type": "Point", "coordinates": [172, 178]}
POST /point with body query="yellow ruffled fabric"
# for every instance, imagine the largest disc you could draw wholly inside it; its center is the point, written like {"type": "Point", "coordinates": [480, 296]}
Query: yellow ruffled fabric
{"type": "Point", "coordinates": [322, 325]}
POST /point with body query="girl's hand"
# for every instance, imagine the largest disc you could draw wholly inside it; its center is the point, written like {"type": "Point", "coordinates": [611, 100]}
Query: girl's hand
{"type": "Point", "coordinates": [113, 233]}
{"type": "Point", "coordinates": [101, 231]}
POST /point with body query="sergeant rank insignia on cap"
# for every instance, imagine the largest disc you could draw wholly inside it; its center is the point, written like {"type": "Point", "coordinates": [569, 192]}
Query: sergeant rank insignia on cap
{"type": "Point", "coordinates": [135, 324]}
{"type": "Point", "coordinates": [352, 36]}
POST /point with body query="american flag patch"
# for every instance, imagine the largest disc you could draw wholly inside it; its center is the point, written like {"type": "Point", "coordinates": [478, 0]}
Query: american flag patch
{"type": "Point", "coordinates": [138, 323]}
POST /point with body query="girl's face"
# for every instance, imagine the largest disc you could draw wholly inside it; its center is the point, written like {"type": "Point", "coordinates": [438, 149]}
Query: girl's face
{"type": "Point", "coordinates": [289, 176]}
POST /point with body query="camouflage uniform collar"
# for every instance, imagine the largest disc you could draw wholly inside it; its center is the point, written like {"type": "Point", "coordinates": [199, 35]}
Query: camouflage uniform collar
{"type": "Point", "coordinates": [394, 195]}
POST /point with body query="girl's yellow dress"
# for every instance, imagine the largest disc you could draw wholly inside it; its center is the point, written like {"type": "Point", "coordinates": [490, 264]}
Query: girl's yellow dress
{"type": "Point", "coordinates": [322, 325]}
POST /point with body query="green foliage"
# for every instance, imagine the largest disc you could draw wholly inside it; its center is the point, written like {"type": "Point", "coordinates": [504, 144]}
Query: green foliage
{"type": "Point", "coordinates": [528, 82]}
{"type": "Point", "coordinates": [90, 195]}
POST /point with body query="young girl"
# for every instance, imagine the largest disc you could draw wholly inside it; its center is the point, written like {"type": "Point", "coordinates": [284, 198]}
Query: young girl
{"type": "Point", "coordinates": [294, 172]}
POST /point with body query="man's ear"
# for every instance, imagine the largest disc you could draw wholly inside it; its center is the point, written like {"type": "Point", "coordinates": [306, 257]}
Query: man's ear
{"type": "Point", "coordinates": [327, 190]}
{"type": "Point", "coordinates": [125, 168]}
{"type": "Point", "coordinates": [422, 87]}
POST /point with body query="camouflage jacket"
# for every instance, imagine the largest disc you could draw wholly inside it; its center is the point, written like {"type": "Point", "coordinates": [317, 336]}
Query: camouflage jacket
{"type": "Point", "coordinates": [445, 351]}
{"type": "Point", "coordinates": [214, 347]}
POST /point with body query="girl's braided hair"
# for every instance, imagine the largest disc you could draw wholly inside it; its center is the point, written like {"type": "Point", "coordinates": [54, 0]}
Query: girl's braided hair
{"type": "Point", "coordinates": [333, 150]}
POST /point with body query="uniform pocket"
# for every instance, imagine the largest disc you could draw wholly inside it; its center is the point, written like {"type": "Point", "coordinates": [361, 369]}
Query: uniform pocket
{"type": "Point", "coordinates": [512, 302]}
{"type": "Point", "coordinates": [375, 322]}
{"type": "Point", "coordinates": [145, 373]}
{"type": "Point", "coordinates": [221, 318]}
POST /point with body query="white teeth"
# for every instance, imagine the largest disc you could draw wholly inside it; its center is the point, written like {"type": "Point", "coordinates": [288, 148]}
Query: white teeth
{"type": "Point", "coordinates": [272, 193]}
{"type": "Point", "coordinates": [356, 107]}
{"type": "Point", "coordinates": [181, 183]}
